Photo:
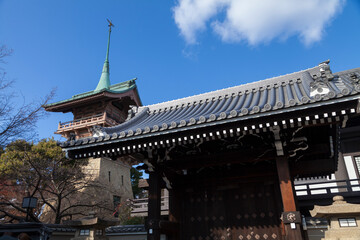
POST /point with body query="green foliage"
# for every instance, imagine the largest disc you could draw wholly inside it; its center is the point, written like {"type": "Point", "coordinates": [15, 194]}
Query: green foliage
{"type": "Point", "coordinates": [21, 158]}
{"type": "Point", "coordinates": [1, 151]}
{"type": "Point", "coordinates": [124, 212]}
{"type": "Point", "coordinates": [134, 221]}
{"type": "Point", "coordinates": [13, 158]}
{"type": "Point", "coordinates": [135, 176]}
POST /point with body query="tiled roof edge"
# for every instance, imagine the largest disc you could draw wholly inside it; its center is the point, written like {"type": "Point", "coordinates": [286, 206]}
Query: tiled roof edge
{"type": "Point", "coordinates": [347, 71]}
{"type": "Point", "coordinates": [220, 92]}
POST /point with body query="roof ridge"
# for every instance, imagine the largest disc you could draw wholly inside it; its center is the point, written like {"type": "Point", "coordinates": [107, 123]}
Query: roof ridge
{"type": "Point", "coordinates": [347, 71]}
{"type": "Point", "coordinates": [84, 93]}
{"type": "Point", "coordinates": [120, 83]}
{"type": "Point", "coordinates": [194, 98]}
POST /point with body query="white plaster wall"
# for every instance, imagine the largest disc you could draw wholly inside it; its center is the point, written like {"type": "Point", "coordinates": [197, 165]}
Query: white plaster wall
{"type": "Point", "coordinates": [350, 167]}
{"type": "Point", "coordinates": [351, 171]}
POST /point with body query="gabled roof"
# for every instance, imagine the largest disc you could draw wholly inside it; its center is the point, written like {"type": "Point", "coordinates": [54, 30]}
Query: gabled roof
{"type": "Point", "coordinates": [300, 90]}
{"type": "Point", "coordinates": [118, 88]}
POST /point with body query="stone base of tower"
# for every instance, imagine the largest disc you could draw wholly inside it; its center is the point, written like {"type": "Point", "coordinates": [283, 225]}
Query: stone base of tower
{"type": "Point", "coordinates": [105, 187]}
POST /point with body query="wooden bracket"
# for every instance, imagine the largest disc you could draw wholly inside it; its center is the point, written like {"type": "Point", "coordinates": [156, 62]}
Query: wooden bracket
{"type": "Point", "coordinates": [150, 154]}
{"type": "Point", "coordinates": [151, 168]}
{"type": "Point", "coordinates": [167, 182]}
{"type": "Point", "coordinates": [278, 142]}
{"type": "Point", "coordinates": [344, 121]}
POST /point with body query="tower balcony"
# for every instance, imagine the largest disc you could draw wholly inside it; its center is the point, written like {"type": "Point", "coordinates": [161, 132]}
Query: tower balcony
{"type": "Point", "coordinates": [79, 125]}
{"type": "Point", "coordinates": [139, 207]}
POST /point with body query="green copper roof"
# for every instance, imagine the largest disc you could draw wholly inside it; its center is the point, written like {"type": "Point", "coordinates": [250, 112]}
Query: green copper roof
{"type": "Point", "coordinates": [104, 82]}
{"type": "Point", "coordinates": [116, 88]}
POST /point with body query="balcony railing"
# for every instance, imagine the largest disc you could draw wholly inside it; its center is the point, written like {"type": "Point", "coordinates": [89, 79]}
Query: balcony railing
{"type": "Point", "coordinates": [324, 189]}
{"type": "Point", "coordinates": [82, 122]}
{"type": "Point", "coordinates": [330, 188]}
{"type": "Point", "coordinates": [139, 207]}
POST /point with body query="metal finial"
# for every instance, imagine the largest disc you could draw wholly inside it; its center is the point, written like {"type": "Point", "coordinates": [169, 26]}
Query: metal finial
{"type": "Point", "coordinates": [104, 82]}
{"type": "Point", "coordinates": [110, 24]}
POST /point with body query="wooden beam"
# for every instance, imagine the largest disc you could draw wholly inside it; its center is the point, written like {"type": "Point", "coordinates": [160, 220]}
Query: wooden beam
{"type": "Point", "coordinates": [313, 168]}
{"type": "Point", "coordinates": [247, 174]}
{"type": "Point", "coordinates": [221, 158]}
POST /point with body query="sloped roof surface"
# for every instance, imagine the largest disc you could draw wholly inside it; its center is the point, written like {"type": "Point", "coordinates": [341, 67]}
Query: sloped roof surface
{"type": "Point", "coordinates": [285, 93]}
{"type": "Point", "coordinates": [116, 88]}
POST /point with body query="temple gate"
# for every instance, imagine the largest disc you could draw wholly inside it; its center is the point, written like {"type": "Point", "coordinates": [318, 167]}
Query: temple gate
{"type": "Point", "coordinates": [229, 157]}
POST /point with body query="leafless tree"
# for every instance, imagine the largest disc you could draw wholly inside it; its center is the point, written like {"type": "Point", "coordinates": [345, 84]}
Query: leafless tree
{"type": "Point", "coordinates": [16, 121]}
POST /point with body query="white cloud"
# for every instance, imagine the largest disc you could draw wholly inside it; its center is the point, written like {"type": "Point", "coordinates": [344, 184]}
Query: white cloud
{"type": "Point", "coordinates": [256, 21]}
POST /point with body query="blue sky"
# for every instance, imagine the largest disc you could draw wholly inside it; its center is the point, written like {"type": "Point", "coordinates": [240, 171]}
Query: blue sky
{"type": "Point", "coordinates": [174, 48]}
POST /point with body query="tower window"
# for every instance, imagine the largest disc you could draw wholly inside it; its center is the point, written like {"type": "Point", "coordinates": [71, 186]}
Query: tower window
{"type": "Point", "coordinates": [122, 180]}
{"type": "Point", "coordinates": [109, 176]}
{"type": "Point", "coordinates": [84, 232]}
{"type": "Point", "coordinates": [347, 222]}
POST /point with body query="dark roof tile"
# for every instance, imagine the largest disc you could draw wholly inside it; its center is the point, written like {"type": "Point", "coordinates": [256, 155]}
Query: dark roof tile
{"type": "Point", "coordinates": [283, 92]}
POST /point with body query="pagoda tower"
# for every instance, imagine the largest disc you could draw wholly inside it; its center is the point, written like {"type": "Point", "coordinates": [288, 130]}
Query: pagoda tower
{"type": "Point", "coordinates": [105, 106]}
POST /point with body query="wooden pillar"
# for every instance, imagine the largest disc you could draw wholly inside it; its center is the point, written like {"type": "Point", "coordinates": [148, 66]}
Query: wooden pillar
{"type": "Point", "coordinates": [154, 206]}
{"type": "Point", "coordinates": [287, 192]}
{"type": "Point", "coordinates": [291, 217]}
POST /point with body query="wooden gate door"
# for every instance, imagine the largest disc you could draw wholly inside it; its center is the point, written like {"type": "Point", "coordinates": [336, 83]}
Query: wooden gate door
{"type": "Point", "coordinates": [250, 211]}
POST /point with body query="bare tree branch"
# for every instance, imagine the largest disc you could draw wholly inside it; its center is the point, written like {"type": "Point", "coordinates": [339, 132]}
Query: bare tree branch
{"type": "Point", "coordinates": [16, 121]}
{"type": "Point", "coordinates": [42, 171]}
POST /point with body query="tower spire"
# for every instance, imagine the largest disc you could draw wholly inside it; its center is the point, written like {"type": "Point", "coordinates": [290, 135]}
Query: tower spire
{"type": "Point", "coordinates": [104, 81]}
